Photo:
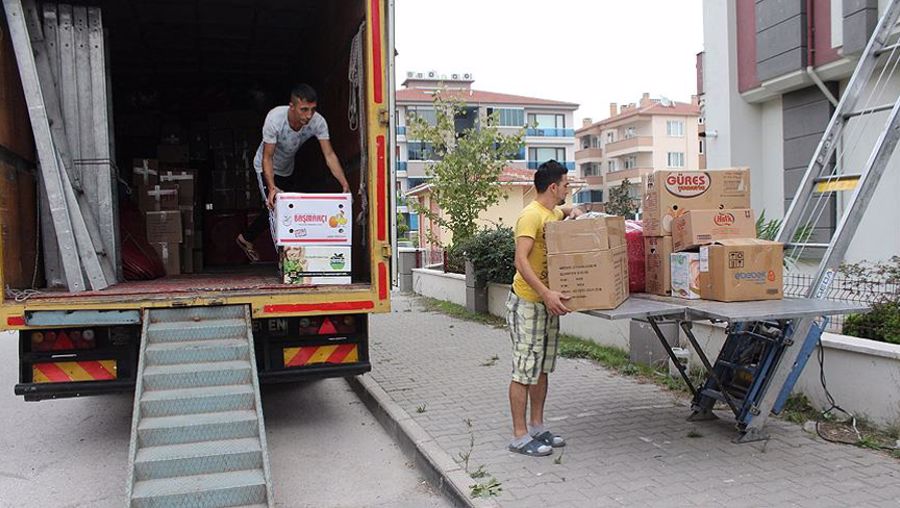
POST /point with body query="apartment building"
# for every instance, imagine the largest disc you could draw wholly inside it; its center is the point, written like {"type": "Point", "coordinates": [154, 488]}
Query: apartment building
{"type": "Point", "coordinates": [634, 140]}
{"type": "Point", "coordinates": [771, 74]}
{"type": "Point", "coordinates": [549, 128]}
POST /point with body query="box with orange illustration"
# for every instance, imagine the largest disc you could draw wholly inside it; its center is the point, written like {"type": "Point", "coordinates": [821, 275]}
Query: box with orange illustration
{"type": "Point", "coordinates": [313, 219]}
{"type": "Point", "coordinates": [670, 194]}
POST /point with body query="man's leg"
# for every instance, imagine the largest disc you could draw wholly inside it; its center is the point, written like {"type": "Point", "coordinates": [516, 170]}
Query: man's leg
{"type": "Point", "coordinates": [261, 222]}
{"type": "Point", "coordinates": [518, 400]}
{"type": "Point", "coordinates": [537, 394]}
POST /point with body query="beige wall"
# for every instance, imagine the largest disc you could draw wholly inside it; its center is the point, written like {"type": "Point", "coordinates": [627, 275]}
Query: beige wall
{"type": "Point", "coordinates": [689, 144]}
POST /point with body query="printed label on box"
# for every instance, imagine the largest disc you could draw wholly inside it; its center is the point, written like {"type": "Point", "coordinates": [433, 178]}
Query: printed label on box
{"type": "Point", "coordinates": [313, 219]}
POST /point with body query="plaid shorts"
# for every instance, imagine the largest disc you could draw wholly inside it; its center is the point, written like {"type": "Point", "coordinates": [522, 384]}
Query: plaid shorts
{"type": "Point", "coordinates": [535, 339]}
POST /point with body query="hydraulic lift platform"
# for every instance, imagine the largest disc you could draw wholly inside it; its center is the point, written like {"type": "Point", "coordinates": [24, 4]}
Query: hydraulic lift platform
{"type": "Point", "coordinates": [749, 365]}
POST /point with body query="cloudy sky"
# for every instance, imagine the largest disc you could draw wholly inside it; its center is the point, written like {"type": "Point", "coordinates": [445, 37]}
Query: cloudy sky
{"type": "Point", "coordinates": [591, 52]}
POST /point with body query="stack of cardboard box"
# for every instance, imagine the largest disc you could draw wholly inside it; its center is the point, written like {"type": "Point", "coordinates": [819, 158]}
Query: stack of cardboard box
{"type": "Point", "coordinates": [233, 140]}
{"type": "Point", "coordinates": [701, 238]}
{"type": "Point", "coordinates": [314, 238]}
{"type": "Point", "coordinates": [587, 260]}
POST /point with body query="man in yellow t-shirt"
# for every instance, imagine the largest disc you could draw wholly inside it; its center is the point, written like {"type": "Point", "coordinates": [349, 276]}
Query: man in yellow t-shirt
{"type": "Point", "coordinates": [532, 313]}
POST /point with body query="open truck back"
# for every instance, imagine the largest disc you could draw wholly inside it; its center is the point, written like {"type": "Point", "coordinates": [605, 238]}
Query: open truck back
{"type": "Point", "coordinates": [205, 74]}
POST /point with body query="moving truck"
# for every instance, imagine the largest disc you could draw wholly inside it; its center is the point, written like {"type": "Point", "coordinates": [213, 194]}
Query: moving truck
{"type": "Point", "coordinates": [189, 85]}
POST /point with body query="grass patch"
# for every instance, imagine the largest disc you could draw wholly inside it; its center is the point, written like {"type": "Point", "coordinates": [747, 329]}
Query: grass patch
{"type": "Point", "coordinates": [694, 434]}
{"type": "Point", "coordinates": [487, 489]}
{"type": "Point", "coordinates": [798, 410]}
{"type": "Point", "coordinates": [420, 409]}
{"type": "Point", "coordinates": [459, 312]}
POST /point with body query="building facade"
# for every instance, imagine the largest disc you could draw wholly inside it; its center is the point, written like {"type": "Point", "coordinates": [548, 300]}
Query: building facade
{"type": "Point", "coordinates": [634, 140]}
{"type": "Point", "coordinates": [548, 124]}
{"type": "Point", "coordinates": [770, 75]}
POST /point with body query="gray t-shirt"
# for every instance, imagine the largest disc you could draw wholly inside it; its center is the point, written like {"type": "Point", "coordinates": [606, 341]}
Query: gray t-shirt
{"type": "Point", "coordinates": [276, 130]}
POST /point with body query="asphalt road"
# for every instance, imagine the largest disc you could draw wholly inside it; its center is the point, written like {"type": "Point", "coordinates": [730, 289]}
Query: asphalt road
{"type": "Point", "coordinates": [325, 448]}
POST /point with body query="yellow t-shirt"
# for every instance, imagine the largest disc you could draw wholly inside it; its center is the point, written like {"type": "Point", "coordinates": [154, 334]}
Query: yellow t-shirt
{"type": "Point", "coordinates": [531, 224]}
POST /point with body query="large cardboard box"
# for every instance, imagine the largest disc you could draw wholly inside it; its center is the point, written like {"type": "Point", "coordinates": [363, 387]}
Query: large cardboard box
{"type": "Point", "coordinates": [703, 227]}
{"type": "Point", "coordinates": [157, 198]}
{"type": "Point", "coordinates": [685, 275]}
{"type": "Point", "coordinates": [742, 270]}
{"type": "Point", "coordinates": [164, 227]}
{"type": "Point", "coordinates": [669, 194]}
{"type": "Point", "coordinates": [588, 261]}
{"type": "Point", "coordinates": [185, 181]}
{"type": "Point", "coordinates": [657, 265]}
{"type": "Point", "coordinates": [315, 264]}
{"type": "Point", "coordinates": [314, 219]}
{"type": "Point", "coordinates": [170, 254]}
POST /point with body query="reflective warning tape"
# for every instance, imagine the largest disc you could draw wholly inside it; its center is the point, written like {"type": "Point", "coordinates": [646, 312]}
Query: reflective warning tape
{"type": "Point", "coordinates": [310, 355]}
{"type": "Point", "coordinates": [67, 372]}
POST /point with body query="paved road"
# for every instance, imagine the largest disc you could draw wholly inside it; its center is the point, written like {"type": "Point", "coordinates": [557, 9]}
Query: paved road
{"type": "Point", "coordinates": [326, 449]}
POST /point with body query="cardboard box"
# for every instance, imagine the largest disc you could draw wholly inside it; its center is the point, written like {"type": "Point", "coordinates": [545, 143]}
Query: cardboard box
{"type": "Point", "coordinates": [313, 219]}
{"type": "Point", "coordinates": [185, 182]}
{"type": "Point", "coordinates": [186, 253]}
{"type": "Point", "coordinates": [145, 172]}
{"type": "Point", "coordinates": [588, 261]}
{"type": "Point", "coordinates": [170, 255]}
{"type": "Point", "coordinates": [657, 265]}
{"type": "Point", "coordinates": [703, 227]}
{"type": "Point", "coordinates": [158, 197]}
{"type": "Point", "coordinates": [584, 235]}
{"type": "Point", "coordinates": [315, 264]}
{"type": "Point", "coordinates": [669, 194]}
{"type": "Point", "coordinates": [741, 270]}
{"type": "Point", "coordinates": [592, 280]}
{"type": "Point", "coordinates": [173, 154]}
{"type": "Point", "coordinates": [685, 275]}
{"type": "Point", "coordinates": [164, 227]}
{"type": "Point", "coordinates": [189, 226]}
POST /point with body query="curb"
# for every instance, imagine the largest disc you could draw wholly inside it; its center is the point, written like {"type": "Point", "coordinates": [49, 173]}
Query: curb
{"type": "Point", "coordinates": [432, 461]}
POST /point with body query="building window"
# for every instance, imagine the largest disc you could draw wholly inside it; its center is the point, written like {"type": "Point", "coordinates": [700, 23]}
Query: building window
{"type": "Point", "coordinates": [508, 117]}
{"type": "Point", "coordinates": [675, 160]}
{"type": "Point", "coordinates": [585, 142]}
{"type": "Point", "coordinates": [630, 162]}
{"type": "Point", "coordinates": [545, 154]}
{"type": "Point", "coordinates": [546, 121]}
{"type": "Point", "coordinates": [612, 166]}
{"type": "Point", "coordinates": [675, 128]}
{"type": "Point", "coordinates": [595, 141]}
{"type": "Point", "coordinates": [611, 137]}
{"type": "Point", "coordinates": [702, 146]}
{"type": "Point", "coordinates": [630, 132]}
{"type": "Point", "coordinates": [425, 113]}
{"type": "Point", "coordinates": [591, 169]}
{"type": "Point", "coordinates": [419, 151]}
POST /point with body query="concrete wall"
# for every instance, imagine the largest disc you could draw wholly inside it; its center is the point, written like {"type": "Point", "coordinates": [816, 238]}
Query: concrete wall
{"type": "Point", "coordinates": [450, 287]}
{"type": "Point", "coordinates": [860, 17]}
{"type": "Point", "coordinates": [780, 37]}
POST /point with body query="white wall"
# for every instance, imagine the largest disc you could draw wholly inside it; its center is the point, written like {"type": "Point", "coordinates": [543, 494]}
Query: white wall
{"type": "Point", "coordinates": [767, 181]}
{"type": "Point", "coordinates": [450, 287]}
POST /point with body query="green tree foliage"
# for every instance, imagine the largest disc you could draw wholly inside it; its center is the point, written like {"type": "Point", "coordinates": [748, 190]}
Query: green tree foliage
{"type": "Point", "coordinates": [467, 165]}
{"type": "Point", "coordinates": [620, 202]}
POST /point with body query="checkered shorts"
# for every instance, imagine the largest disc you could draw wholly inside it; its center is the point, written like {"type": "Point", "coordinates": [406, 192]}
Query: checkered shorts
{"type": "Point", "coordinates": [535, 339]}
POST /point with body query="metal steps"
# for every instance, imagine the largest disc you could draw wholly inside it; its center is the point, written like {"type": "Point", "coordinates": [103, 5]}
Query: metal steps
{"type": "Point", "coordinates": [198, 437]}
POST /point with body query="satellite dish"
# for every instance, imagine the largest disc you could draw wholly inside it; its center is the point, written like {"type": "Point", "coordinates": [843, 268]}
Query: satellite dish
{"type": "Point", "coordinates": [665, 102]}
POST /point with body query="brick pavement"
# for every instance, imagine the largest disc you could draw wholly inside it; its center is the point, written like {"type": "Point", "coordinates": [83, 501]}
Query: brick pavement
{"type": "Point", "coordinates": [628, 441]}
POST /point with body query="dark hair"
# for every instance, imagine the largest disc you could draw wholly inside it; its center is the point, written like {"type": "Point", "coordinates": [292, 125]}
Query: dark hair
{"type": "Point", "coordinates": [548, 173]}
{"type": "Point", "coordinates": [304, 92]}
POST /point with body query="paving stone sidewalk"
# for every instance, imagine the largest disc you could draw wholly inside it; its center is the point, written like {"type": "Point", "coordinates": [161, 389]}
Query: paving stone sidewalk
{"type": "Point", "coordinates": [629, 443]}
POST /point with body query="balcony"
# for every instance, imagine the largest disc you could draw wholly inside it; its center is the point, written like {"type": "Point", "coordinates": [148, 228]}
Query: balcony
{"type": "Point", "coordinates": [589, 153]}
{"type": "Point", "coordinates": [550, 133]}
{"type": "Point", "coordinates": [534, 165]}
{"type": "Point", "coordinates": [632, 174]}
{"type": "Point", "coordinates": [401, 168]}
{"type": "Point", "coordinates": [630, 145]}
{"type": "Point", "coordinates": [401, 130]}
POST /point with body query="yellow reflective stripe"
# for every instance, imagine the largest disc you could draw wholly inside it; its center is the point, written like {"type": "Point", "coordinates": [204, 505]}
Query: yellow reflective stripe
{"type": "Point", "coordinates": [37, 376]}
{"type": "Point", "coordinates": [322, 354]}
{"type": "Point", "coordinates": [837, 185]}
{"type": "Point", "coordinates": [74, 371]}
{"type": "Point", "coordinates": [353, 356]}
{"type": "Point", "coordinates": [289, 354]}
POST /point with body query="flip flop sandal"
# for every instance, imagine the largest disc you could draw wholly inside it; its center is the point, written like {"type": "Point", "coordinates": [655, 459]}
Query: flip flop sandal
{"type": "Point", "coordinates": [250, 252]}
{"type": "Point", "coordinates": [550, 439]}
{"type": "Point", "coordinates": [533, 448]}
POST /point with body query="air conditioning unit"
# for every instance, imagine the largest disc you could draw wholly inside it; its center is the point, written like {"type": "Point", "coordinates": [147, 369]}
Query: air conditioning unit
{"type": "Point", "coordinates": [454, 76]}
{"type": "Point", "coordinates": [467, 76]}
{"type": "Point", "coordinates": [410, 74]}
{"type": "Point", "coordinates": [432, 74]}
{"type": "Point", "coordinates": [420, 75]}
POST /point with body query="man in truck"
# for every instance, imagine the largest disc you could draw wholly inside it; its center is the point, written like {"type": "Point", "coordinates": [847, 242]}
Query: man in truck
{"type": "Point", "coordinates": [285, 130]}
{"type": "Point", "coordinates": [533, 312]}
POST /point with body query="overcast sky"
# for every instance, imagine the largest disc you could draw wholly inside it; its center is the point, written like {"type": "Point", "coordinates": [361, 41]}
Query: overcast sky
{"type": "Point", "coordinates": [591, 52]}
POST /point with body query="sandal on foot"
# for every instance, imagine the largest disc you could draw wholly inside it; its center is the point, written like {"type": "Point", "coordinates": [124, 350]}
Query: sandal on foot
{"type": "Point", "coordinates": [249, 251]}
{"type": "Point", "coordinates": [533, 448]}
{"type": "Point", "coordinates": [550, 439]}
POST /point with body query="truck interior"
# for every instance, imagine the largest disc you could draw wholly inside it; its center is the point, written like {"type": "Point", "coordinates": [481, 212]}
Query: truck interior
{"type": "Point", "coordinates": [191, 83]}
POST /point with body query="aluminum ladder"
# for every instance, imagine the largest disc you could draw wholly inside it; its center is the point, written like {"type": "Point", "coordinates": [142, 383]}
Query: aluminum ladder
{"type": "Point", "coordinates": [198, 437]}
{"type": "Point", "coordinates": [780, 358]}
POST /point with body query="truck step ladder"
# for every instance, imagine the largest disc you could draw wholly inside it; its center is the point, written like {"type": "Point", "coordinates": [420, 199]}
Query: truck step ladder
{"type": "Point", "coordinates": [197, 436]}
{"type": "Point", "coordinates": [756, 372]}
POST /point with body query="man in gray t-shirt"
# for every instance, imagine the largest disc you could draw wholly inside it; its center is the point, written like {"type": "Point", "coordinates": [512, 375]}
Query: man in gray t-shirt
{"type": "Point", "coordinates": [286, 129]}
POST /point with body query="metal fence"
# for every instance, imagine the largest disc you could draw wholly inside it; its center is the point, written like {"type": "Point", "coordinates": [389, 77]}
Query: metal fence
{"type": "Point", "coordinates": [868, 288]}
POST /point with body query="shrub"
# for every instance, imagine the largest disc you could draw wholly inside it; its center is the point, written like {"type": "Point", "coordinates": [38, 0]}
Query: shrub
{"type": "Point", "coordinates": [878, 283]}
{"type": "Point", "coordinates": [493, 252]}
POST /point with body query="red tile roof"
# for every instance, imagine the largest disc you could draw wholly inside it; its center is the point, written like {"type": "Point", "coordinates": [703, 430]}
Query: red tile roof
{"type": "Point", "coordinates": [676, 109]}
{"type": "Point", "coordinates": [477, 97]}
{"type": "Point", "coordinates": [509, 176]}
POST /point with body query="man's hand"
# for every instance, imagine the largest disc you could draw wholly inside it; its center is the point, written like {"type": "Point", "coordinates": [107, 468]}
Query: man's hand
{"type": "Point", "coordinates": [345, 188]}
{"type": "Point", "coordinates": [270, 202]}
{"type": "Point", "coordinates": [553, 300]}
{"type": "Point", "coordinates": [576, 212]}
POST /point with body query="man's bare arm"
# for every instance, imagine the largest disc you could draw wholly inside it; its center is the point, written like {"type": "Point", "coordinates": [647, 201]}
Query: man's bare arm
{"type": "Point", "coordinates": [552, 299]}
{"type": "Point", "coordinates": [268, 167]}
